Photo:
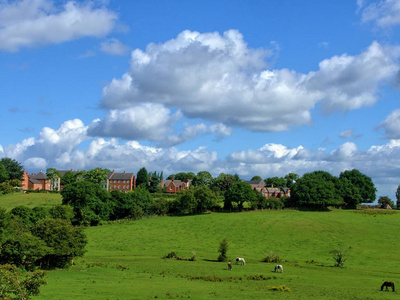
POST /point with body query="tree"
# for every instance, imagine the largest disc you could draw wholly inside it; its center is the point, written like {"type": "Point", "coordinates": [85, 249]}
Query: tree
{"type": "Point", "coordinates": [13, 167]}
{"type": "Point", "coordinates": [142, 177]}
{"type": "Point", "coordinates": [364, 184]}
{"type": "Point", "coordinates": [224, 181]}
{"type": "Point", "coordinates": [64, 240]}
{"type": "Point", "coordinates": [316, 190]}
{"type": "Point", "coordinates": [3, 174]}
{"type": "Point", "coordinates": [154, 182]}
{"type": "Point", "coordinates": [398, 197]}
{"type": "Point", "coordinates": [205, 198]}
{"type": "Point", "coordinates": [91, 203]}
{"type": "Point", "coordinates": [385, 201]}
{"type": "Point", "coordinates": [17, 284]}
{"type": "Point", "coordinates": [291, 179]}
{"type": "Point", "coordinates": [96, 176]}
{"type": "Point", "coordinates": [202, 178]}
{"type": "Point", "coordinates": [256, 178]}
{"type": "Point", "coordinates": [53, 175]}
{"type": "Point", "coordinates": [68, 177]}
{"type": "Point", "coordinates": [223, 250]}
{"type": "Point", "coordinates": [186, 202]}
{"type": "Point", "coordinates": [240, 193]}
{"type": "Point", "coordinates": [22, 249]}
{"type": "Point", "coordinates": [275, 181]}
{"type": "Point", "coordinates": [349, 193]}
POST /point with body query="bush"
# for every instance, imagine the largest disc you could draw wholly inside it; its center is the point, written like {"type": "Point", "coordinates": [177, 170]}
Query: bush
{"type": "Point", "coordinates": [16, 284]}
{"type": "Point", "coordinates": [272, 257]}
{"type": "Point", "coordinates": [223, 250]}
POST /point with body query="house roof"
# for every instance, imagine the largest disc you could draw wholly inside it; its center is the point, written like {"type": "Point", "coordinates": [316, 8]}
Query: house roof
{"type": "Point", "coordinates": [122, 176]}
{"type": "Point", "coordinates": [174, 182]}
{"type": "Point", "coordinates": [39, 176]}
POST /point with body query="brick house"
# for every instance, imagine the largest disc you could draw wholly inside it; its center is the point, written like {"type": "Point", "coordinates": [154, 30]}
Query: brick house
{"type": "Point", "coordinates": [37, 181]}
{"type": "Point", "coordinates": [175, 186]}
{"type": "Point", "coordinates": [123, 182]}
{"type": "Point", "coordinates": [259, 185]}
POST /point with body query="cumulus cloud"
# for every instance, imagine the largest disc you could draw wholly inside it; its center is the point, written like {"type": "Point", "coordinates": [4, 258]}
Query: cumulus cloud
{"type": "Point", "coordinates": [151, 122]}
{"type": "Point", "coordinates": [219, 78]}
{"type": "Point", "coordinates": [30, 23]}
{"type": "Point", "coordinates": [384, 14]}
{"type": "Point", "coordinates": [391, 125]}
{"type": "Point", "coordinates": [114, 47]}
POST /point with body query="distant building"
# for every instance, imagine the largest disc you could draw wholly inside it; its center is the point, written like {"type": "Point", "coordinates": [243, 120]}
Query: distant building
{"type": "Point", "coordinates": [37, 181]}
{"type": "Point", "coordinates": [123, 182]}
{"type": "Point", "coordinates": [175, 186]}
{"type": "Point", "coordinates": [268, 192]}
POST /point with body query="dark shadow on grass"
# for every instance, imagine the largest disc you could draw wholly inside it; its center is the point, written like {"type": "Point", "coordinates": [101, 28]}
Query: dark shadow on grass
{"type": "Point", "coordinates": [212, 260]}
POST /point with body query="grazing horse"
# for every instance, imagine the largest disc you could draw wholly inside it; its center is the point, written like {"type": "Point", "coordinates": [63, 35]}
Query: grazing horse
{"type": "Point", "coordinates": [241, 260]}
{"type": "Point", "coordinates": [229, 266]}
{"type": "Point", "coordinates": [388, 284]}
{"type": "Point", "coordinates": [279, 268]}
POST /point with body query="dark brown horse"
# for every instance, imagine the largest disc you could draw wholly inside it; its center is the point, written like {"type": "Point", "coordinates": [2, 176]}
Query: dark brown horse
{"type": "Point", "coordinates": [387, 284]}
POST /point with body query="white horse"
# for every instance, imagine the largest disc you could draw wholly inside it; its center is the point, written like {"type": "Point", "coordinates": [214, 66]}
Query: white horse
{"type": "Point", "coordinates": [240, 260]}
{"type": "Point", "coordinates": [279, 268]}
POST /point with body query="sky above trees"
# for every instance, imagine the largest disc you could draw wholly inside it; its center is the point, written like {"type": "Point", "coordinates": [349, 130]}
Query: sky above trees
{"type": "Point", "coordinates": [241, 87]}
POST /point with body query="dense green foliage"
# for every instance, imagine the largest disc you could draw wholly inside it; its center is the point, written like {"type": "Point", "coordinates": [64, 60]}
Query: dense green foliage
{"type": "Point", "coordinates": [31, 238]}
{"type": "Point", "coordinates": [240, 192]}
{"type": "Point", "coordinates": [363, 183]}
{"type": "Point", "coordinates": [17, 284]}
{"type": "Point", "coordinates": [142, 178]}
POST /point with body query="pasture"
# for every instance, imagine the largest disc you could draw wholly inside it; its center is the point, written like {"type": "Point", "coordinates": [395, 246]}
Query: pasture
{"type": "Point", "coordinates": [124, 260]}
{"type": "Point", "coordinates": [31, 200]}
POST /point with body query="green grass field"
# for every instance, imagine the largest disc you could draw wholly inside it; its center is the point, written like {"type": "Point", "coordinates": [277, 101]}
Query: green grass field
{"type": "Point", "coordinates": [30, 199]}
{"type": "Point", "coordinates": [124, 260]}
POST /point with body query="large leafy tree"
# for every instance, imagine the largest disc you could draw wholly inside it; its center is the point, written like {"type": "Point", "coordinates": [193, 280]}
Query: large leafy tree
{"type": "Point", "coordinates": [13, 167]}
{"type": "Point", "coordinates": [205, 198]}
{"type": "Point", "coordinates": [384, 201]}
{"type": "Point", "coordinates": [240, 192]}
{"type": "Point", "coordinates": [275, 181]}
{"type": "Point", "coordinates": [64, 240]}
{"type": "Point", "coordinates": [224, 181]}
{"type": "Point", "coordinates": [202, 178]}
{"type": "Point", "coordinates": [316, 190]}
{"type": "Point", "coordinates": [186, 202]}
{"type": "Point", "coordinates": [349, 192]}
{"type": "Point", "coordinates": [398, 197]}
{"type": "Point", "coordinates": [90, 201]}
{"type": "Point", "coordinates": [96, 176]}
{"type": "Point", "coordinates": [254, 178]}
{"type": "Point", "coordinates": [363, 183]}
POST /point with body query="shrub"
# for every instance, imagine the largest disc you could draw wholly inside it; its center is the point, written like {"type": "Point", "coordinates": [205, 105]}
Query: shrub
{"type": "Point", "coordinates": [223, 250]}
{"type": "Point", "coordinates": [339, 257]}
{"type": "Point", "coordinates": [272, 257]}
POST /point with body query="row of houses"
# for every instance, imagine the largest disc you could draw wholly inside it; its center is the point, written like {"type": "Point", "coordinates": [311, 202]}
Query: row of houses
{"type": "Point", "coordinates": [126, 182]}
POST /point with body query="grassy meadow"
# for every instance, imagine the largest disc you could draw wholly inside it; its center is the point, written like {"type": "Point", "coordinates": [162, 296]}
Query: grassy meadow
{"type": "Point", "coordinates": [31, 200]}
{"type": "Point", "coordinates": [124, 260]}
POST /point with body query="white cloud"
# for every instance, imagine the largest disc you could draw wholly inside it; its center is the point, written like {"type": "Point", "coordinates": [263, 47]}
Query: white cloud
{"type": "Point", "coordinates": [391, 125]}
{"type": "Point", "coordinates": [218, 78]}
{"type": "Point", "coordinates": [114, 47]}
{"type": "Point", "coordinates": [351, 82]}
{"type": "Point", "coordinates": [145, 121]}
{"type": "Point", "coordinates": [384, 14]}
{"type": "Point", "coordinates": [151, 122]}
{"type": "Point", "coordinates": [30, 23]}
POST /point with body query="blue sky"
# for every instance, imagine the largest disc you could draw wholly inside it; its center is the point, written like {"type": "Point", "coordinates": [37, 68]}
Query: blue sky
{"type": "Point", "coordinates": [249, 87]}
